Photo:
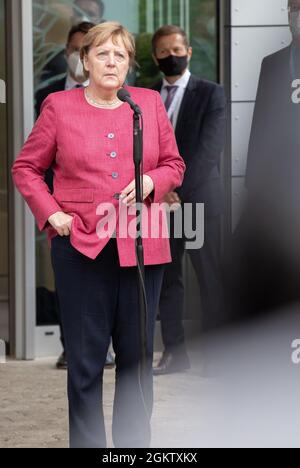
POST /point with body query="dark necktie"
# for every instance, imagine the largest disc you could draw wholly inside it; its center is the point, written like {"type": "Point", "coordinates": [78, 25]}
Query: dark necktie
{"type": "Point", "coordinates": [171, 94]}
{"type": "Point", "coordinates": [78, 86]}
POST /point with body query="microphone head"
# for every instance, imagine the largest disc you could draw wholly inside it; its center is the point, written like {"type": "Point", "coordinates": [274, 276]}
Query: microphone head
{"type": "Point", "coordinates": [123, 94]}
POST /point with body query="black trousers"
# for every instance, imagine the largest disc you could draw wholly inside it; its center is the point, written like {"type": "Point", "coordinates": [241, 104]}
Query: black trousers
{"type": "Point", "coordinates": [98, 300]}
{"type": "Point", "coordinates": [206, 263]}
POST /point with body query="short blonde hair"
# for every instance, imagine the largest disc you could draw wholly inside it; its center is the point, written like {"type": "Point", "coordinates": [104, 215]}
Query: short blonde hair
{"type": "Point", "coordinates": [101, 33]}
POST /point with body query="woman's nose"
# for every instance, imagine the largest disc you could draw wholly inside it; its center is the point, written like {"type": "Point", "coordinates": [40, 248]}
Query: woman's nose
{"type": "Point", "coordinates": [111, 61]}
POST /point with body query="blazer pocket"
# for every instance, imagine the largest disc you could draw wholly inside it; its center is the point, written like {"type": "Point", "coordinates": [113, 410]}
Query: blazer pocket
{"type": "Point", "coordinates": [75, 195]}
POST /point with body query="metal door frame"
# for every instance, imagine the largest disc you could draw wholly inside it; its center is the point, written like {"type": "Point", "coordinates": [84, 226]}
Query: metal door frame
{"type": "Point", "coordinates": [20, 106]}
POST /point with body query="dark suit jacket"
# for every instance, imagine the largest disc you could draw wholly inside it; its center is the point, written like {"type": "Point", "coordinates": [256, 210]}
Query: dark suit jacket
{"type": "Point", "coordinates": [267, 261]}
{"type": "Point", "coordinates": [274, 149]}
{"type": "Point", "coordinates": [41, 95]}
{"type": "Point", "coordinates": [39, 99]}
{"type": "Point", "coordinates": [200, 135]}
{"type": "Point", "coordinates": [57, 66]}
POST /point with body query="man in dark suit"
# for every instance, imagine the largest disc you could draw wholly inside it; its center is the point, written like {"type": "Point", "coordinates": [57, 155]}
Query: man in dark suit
{"type": "Point", "coordinates": [268, 234]}
{"type": "Point", "coordinates": [197, 110]}
{"type": "Point", "coordinates": [275, 126]}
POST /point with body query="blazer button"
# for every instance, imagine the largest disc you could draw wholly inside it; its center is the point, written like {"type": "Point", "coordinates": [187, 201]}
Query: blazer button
{"type": "Point", "coordinates": [113, 154]}
{"type": "Point", "coordinates": [115, 175]}
{"type": "Point", "coordinates": [111, 136]}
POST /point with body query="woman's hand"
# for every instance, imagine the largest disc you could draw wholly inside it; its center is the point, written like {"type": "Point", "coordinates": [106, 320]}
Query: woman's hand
{"type": "Point", "coordinates": [129, 193]}
{"type": "Point", "coordinates": [61, 222]}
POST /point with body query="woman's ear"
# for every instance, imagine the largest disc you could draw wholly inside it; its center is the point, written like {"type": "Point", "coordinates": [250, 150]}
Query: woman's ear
{"type": "Point", "coordinates": [86, 63]}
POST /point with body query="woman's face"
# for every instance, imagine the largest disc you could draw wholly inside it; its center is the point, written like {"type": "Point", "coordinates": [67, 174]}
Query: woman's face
{"type": "Point", "coordinates": [108, 65]}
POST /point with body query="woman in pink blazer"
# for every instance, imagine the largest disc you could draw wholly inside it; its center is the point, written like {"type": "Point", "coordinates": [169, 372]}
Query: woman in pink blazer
{"type": "Point", "coordinates": [86, 136]}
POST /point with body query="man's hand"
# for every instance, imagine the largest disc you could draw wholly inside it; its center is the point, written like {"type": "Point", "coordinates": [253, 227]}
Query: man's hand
{"type": "Point", "coordinates": [129, 193]}
{"type": "Point", "coordinates": [61, 222]}
{"type": "Point", "coordinates": [173, 201]}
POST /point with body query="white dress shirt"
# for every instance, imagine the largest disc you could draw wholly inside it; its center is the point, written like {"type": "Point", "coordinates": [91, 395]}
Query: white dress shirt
{"type": "Point", "coordinates": [71, 83]}
{"type": "Point", "coordinates": [174, 109]}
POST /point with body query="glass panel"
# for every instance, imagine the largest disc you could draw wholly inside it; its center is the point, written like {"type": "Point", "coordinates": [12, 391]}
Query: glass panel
{"type": "Point", "coordinates": [52, 21]}
{"type": "Point", "coordinates": [4, 318]}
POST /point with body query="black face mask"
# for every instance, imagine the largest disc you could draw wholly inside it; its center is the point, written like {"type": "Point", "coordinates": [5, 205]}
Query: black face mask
{"type": "Point", "coordinates": [173, 65]}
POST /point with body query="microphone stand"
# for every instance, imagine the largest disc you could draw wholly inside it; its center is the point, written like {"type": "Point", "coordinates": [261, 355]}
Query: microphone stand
{"type": "Point", "coordinates": [138, 164]}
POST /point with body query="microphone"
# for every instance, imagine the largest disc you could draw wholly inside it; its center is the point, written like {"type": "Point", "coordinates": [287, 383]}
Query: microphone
{"type": "Point", "coordinates": [125, 96]}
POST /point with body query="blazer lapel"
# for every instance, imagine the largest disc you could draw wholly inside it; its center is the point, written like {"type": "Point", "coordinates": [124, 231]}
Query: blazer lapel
{"type": "Point", "coordinates": [187, 101]}
{"type": "Point", "coordinates": [186, 104]}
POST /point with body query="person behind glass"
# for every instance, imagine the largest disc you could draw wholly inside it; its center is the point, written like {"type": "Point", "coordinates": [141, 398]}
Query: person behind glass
{"type": "Point", "coordinates": [87, 136]}
{"type": "Point", "coordinates": [83, 11]}
{"type": "Point", "coordinates": [197, 110]}
{"type": "Point", "coordinates": [74, 77]}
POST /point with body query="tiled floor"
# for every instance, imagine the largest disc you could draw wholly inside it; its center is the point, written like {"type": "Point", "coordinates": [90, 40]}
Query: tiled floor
{"type": "Point", "coordinates": [253, 402]}
{"type": "Point", "coordinates": [33, 406]}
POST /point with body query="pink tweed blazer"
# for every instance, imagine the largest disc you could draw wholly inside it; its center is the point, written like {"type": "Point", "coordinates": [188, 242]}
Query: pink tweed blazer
{"type": "Point", "coordinates": [90, 151]}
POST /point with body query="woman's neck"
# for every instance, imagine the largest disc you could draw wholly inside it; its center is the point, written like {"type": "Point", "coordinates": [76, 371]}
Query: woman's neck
{"type": "Point", "coordinates": [102, 94]}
